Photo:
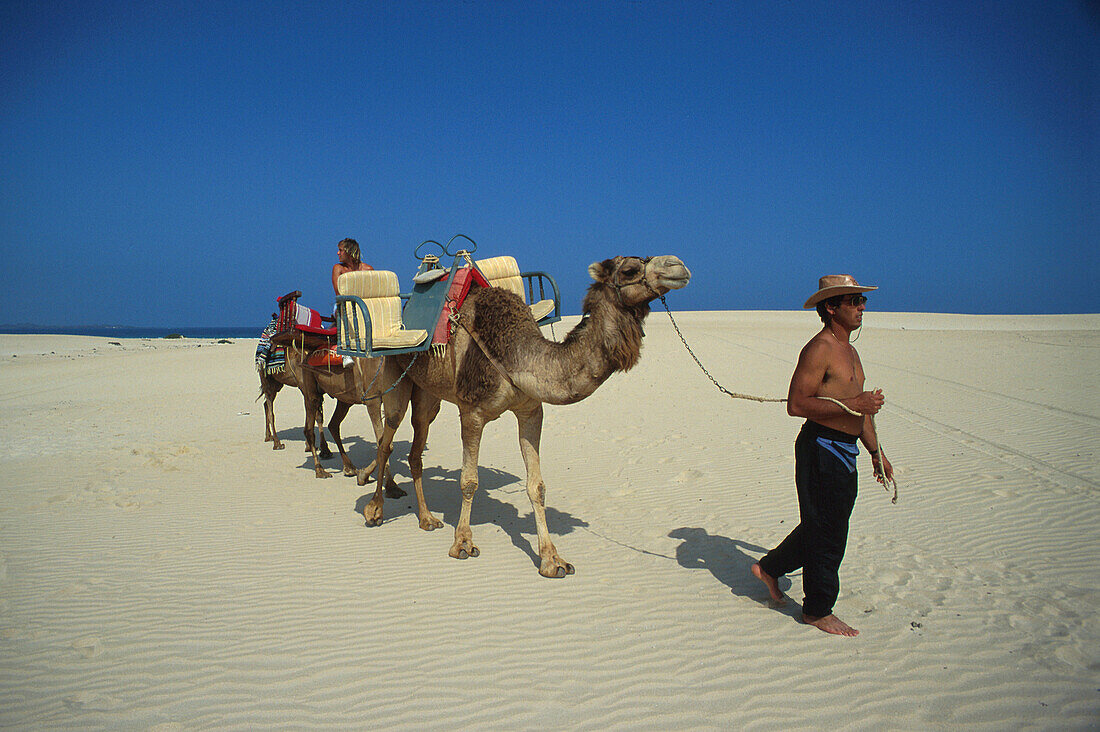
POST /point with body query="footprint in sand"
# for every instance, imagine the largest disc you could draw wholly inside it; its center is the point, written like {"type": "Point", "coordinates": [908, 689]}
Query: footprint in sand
{"type": "Point", "coordinates": [92, 701]}
{"type": "Point", "coordinates": [90, 647]}
{"type": "Point", "coordinates": [894, 577]}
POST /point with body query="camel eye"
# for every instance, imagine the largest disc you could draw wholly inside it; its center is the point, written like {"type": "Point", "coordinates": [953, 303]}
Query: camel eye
{"type": "Point", "coordinates": [630, 271]}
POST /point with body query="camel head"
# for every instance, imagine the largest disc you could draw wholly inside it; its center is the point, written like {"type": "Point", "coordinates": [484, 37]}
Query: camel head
{"type": "Point", "coordinates": [638, 280]}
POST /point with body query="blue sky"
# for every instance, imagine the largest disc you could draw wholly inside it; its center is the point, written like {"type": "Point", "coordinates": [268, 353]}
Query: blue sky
{"type": "Point", "coordinates": [183, 163]}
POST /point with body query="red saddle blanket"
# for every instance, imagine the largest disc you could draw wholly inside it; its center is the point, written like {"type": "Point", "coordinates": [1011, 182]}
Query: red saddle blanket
{"type": "Point", "coordinates": [461, 282]}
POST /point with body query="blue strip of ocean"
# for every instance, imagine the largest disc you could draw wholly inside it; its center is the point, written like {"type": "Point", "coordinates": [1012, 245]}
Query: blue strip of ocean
{"type": "Point", "coordinates": [125, 331]}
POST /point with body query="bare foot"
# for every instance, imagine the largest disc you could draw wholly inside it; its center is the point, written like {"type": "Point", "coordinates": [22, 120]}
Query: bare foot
{"type": "Point", "coordinates": [771, 583]}
{"type": "Point", "coordinates": [831, 624]}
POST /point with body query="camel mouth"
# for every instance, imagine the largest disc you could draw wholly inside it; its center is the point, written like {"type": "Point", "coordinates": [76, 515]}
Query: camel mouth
{"type": "Point", "coordinates": [670, 273]}
{"type": "Point", "coordinates": [674, 282]}
{"type": "Point", "coordinates": [675, 277]}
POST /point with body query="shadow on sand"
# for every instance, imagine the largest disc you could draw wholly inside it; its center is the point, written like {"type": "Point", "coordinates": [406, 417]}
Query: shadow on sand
{"type": "Point", "coordinates": [444, 499]}
{"type": "Point", "coordinates": [729, 561]}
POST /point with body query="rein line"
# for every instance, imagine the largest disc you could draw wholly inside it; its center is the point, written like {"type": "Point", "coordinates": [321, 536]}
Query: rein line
{"type": "Point", "coordinates": [714, 381]}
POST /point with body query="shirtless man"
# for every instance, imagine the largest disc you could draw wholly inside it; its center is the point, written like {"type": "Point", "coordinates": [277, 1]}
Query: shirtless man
{"type": "Point", "coordinates": [825, 453]}
{"type": "Point", "coordinates": [348, 253]}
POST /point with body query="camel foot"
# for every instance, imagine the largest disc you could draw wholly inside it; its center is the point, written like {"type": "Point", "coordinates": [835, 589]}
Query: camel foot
{"type": "Point", "coordinates": [464, 550]}
{"type": "Point", "coordinates": [830, 624]}
{"type": "Point", "coordinates": [372, 512]}
{"type": "Point", "coordinates": [325, 453]}
{"type": "Point", "coordinates": [278, 446]}
{"type": "Point", "coordinates": [392, 491]}
{"type": "Point", "coordinates": [771, 583]}
{"type": "Point", "coordinates": [556, 568]}
{"type": "Point", "coordinates": [351, 471]}
{"type": "Point", "coordinates": [322, 473]}
{"type": "Point", "coordinates": [430, 523]}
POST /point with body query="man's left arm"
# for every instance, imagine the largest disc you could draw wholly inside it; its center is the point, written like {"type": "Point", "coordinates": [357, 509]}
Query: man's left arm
{"type": "Point", "coordinates": [869, 438]}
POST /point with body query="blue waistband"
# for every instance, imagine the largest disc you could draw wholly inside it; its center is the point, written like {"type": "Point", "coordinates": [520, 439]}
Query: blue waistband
{"type": "Point", "coordinates": [820, 430]}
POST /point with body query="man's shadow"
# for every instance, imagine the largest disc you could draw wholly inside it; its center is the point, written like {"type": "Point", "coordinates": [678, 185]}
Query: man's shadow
{"type": "Point", "coordinates": [444, 499]}
{"type": "Point", "coordinates": [728, 560]}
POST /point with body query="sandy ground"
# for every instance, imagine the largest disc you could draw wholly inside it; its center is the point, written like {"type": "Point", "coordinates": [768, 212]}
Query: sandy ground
{"type": "Point", "coordinates": [162, 568]}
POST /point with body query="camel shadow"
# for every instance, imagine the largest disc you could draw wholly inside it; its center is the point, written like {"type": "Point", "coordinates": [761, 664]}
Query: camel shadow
{"type": "Point", "coordinates": [362, 452]}
{"type": "Point", "coordinates": [728, 561]}
{"type": "Point", "coordinates": [444, 499]}
{"type": "Point", "coordinates": [292, 435]}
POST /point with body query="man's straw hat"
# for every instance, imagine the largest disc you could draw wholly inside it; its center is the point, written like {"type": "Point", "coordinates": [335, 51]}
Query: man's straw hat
{"type": "Point", "coordinates": [833, 285]}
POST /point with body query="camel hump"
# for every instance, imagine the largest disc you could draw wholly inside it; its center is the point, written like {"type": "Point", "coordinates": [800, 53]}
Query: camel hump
{"type": "Point", "coordinates": [501, 322]}
{"type": "Point", "coordinates": [500, 316]}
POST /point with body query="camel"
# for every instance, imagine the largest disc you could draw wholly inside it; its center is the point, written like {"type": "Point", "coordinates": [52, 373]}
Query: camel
{"type": "Point", "coordinates": [499, 361]}
{"type": "Point", "coordinates": [347, 385]}
{"type": "Point", "coordinates": [270, 385]}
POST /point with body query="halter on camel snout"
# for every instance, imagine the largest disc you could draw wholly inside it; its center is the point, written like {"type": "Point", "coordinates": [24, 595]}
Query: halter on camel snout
{"type": "Point", "coordinates": [641, 279]}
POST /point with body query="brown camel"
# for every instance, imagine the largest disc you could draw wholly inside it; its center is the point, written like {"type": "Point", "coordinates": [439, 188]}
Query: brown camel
{"type": "Point", "coordinates": [270, 385]}
{"type": "Point", "coordinates": [499, 361]}
{"type": "Point", "coordinates": [350, 385]}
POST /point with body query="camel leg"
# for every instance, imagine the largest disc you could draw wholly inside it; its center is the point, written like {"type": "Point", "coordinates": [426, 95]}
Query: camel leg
{"type": "Point", "coordinates": [472, 427]}
{"type": "Point", "coordinates": [338, 415]}
{"type": "Point", "coordinates": [392, 490]}
{"type": "Point", "coordinates": [270, 388]}
{"type": "Point", "coordinates": [530, 431]}
{"type": "Point", "coordinates": [269, 417]}
{"type": "Point", "coordinates": [312, 400]}
{"type": "Point", "coordinates": [425, 407]}
{"type": "Point", "coordinates": [324, 452]}
{"type": "Point", "coordinates": [395, 403]}
{"type": "Point", "coordinates": [374, 409]}
{"type": "Point", "coordinates": [270, 435]}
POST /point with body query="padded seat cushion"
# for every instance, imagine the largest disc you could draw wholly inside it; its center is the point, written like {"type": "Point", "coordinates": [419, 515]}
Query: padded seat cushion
{"type": "Point", "coordinates": [379, 290]}
{"type": "Point", "coordinates": [504, 272]}
{"type": "Point", "coordinates": [541, 309]}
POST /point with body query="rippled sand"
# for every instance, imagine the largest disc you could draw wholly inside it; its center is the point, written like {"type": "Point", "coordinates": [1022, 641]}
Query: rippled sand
{"type": "Point", "coordinates": [162, 568]}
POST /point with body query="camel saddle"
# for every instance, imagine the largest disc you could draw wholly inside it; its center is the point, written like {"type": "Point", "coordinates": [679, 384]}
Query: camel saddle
{"type": "Point", "coordinates": [460, 283]}
{"type": "Point", "coordinates": [298, 324]}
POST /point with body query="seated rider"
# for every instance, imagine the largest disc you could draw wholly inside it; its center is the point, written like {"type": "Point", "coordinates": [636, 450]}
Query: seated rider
{"type": "Point", "coordinates": [348, 252]}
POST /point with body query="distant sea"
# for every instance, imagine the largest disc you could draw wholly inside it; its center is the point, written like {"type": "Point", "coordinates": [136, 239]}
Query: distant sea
{"type": "Point", "coordinates": [126, 331]}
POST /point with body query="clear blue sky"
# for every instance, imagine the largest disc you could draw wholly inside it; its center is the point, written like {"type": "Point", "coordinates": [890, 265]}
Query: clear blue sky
{"type": "Point", "coordinates": [183, 163]}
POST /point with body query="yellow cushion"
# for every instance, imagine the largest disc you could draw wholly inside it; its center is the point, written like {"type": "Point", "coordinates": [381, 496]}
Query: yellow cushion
{"type": "Point", "coordinates": [541, 309]}
{"type": "Point", "coordinates": [503, 272]}
{"type": "Point", "coordinates": [379, 290]}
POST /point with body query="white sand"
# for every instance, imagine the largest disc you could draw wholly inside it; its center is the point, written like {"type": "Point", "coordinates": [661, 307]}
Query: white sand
{"type": "Point", "coordinates": [162, 568]}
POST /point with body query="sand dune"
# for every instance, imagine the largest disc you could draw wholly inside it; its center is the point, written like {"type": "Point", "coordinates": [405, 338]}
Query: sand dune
{"type": "Point", "coordinates": [162, 568]}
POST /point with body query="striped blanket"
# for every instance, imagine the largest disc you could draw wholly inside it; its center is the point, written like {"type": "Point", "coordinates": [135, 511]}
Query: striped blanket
{"type": "Point", "coordinates": [270, 359]}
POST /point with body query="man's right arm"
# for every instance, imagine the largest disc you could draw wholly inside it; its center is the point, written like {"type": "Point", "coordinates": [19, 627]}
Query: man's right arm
{"type": "Point", "coordinates": [809, 374]}
{"type": "Point", "coordinates": [337, 270]}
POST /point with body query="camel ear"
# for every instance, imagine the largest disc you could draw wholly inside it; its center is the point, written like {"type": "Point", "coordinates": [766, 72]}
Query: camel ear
{"type": "Point", "coordinates": [600, 271]}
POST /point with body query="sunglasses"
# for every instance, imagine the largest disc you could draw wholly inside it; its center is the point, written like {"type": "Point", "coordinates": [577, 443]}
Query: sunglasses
{"type": "Point", "coordinates": [855, 300]}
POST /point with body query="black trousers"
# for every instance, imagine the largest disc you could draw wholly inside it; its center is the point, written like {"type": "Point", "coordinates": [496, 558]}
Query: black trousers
{"type": "Point", "coordinates": [825, 475]}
